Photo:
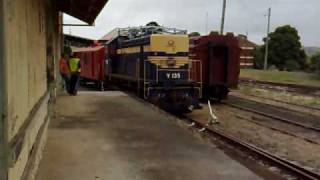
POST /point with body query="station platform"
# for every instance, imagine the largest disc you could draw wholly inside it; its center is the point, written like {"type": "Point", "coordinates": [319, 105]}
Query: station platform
{"type": "Point", "coordinates": [113, 136]}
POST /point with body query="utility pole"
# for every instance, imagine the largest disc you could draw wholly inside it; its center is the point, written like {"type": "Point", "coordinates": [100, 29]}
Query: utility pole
{"type": "Point", "coordinates": [223, 16]}
{"type": "Point", "coordinates": [207, 17]}
{"type": "Point", "coordinates": [267, 42]}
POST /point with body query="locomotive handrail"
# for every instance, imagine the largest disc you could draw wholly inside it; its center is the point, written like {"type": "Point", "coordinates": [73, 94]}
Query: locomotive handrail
{"type": "Point", "coordinates": [138, 32]}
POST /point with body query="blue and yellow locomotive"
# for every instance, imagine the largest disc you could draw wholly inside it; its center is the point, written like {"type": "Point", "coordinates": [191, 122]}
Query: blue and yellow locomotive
{"type": "Point", "coordinates": [154, 61]}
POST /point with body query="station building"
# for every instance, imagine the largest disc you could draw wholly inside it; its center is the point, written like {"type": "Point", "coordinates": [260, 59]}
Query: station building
{"type": "Point", "coordinates": [30, 48]}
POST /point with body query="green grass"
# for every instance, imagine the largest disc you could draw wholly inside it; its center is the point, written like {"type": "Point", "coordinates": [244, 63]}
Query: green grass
{"type": "Point", "coordinates": [299, 78]}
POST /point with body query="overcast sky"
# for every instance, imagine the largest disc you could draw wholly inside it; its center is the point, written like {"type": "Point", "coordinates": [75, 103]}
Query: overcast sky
{"type": "Point", "coordinates": [242, 16]}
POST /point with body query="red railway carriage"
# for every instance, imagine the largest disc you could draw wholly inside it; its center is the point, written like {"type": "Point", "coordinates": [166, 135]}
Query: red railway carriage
{"type": "Point", "coordinates": [220, 61]}
{"type": "Point", "coordinates": [92, 61]}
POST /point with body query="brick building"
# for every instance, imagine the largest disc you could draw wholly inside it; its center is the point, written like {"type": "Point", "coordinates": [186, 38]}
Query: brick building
{"type": "Point", "coordinates": [247, 50]}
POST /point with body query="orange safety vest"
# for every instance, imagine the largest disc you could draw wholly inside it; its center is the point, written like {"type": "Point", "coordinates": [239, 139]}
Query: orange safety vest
{"type": "Point", "coordinates": [64, 67]}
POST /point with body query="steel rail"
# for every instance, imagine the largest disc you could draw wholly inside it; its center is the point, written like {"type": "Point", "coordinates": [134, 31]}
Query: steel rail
{"type": "Point", "coordinates": [293, 169]}
{"type": "Point", "coordinates": [289, 167]}
{"type": "Point", "coordinates": [284, 102]}
{"type": "Point", "coordinates": [299, 89]}
{"type": "Point", "coordinates": [279, 130]}
{"type": "Point", "coordinates": [296, 86]}
{"type": "Point", "coordinates": [273, 117]}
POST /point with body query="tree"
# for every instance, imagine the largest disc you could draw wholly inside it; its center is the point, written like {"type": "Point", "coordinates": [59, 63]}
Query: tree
{"type": "Point", "coordinates": [315, 63]}
{"type": "Point", "coordinates": [292, 65]}
{"type": "Point", "coordinates": [152, 23]}
{"type": "Point", "coordinates": [285, 49]}
{"type": "Point", "coordinates": [193, 34]}
{"type": "Point", "coordinates": [258, 58]}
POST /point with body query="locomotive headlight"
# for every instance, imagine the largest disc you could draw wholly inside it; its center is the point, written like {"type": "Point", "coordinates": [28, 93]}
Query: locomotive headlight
{"type": "Point", "coordinates": [171, 62]}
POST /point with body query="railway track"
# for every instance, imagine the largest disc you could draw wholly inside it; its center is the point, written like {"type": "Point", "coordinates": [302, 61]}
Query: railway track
{"type": "Point", "coordinates": [293, 88]}
{"type": "Point", "coordinates": [303, 120]}
{"type": "Point", "coordinates": [285, 165]}
{"type": "Point", "coordinates": [285, 102]}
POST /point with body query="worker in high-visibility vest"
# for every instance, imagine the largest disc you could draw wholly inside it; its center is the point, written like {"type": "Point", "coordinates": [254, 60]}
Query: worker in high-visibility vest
{"type": "Point", "coordinates": [75, 70]}
{"type": "Point", "coordinates": [64, 71]}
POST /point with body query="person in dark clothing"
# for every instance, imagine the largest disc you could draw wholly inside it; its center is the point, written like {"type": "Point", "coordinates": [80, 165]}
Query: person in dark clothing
{"type": "Point", "coordinates": [75, 70]}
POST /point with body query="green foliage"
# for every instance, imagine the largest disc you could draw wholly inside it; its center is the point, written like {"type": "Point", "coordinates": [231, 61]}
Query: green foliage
{"type": "Point", "coordinates": [292, 65]}
{"type": "Point", "coordinates": [152, 23]}
{"type": "Point", "coordinates": [193, 34]}
{"type": "Point", "coordinates": [315, 63]}
{"type": "Point", "coordinates": [285, 49]}
{"type": "Point", "coordinates": [258, 58]}
{"type": "Point", "coordinates": [272, 68]}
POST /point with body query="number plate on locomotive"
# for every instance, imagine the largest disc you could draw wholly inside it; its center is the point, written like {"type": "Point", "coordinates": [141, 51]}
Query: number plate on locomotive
{"type": "Point", "coordinates": [173, 75]}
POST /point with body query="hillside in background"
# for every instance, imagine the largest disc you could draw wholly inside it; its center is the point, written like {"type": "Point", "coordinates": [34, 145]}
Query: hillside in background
{"type": "Point", "coordinates": [312, 50]}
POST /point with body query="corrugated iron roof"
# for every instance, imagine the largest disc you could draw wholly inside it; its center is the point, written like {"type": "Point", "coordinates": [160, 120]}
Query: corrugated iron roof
{"type": "Point", "coordinates": [85, 10]}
